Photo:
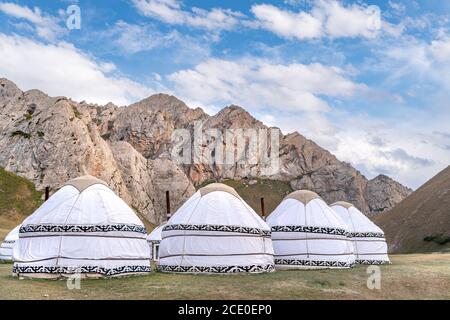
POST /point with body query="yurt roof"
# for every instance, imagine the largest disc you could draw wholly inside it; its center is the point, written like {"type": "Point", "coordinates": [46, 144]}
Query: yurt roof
{"type": "Point", "coordinates": [344, 204]}
{"type": "Point", "coordinates": [218, 187]}
{"type": "Point", "coordinates": [156, 233]}
{"type": "Point", "coordinates": [84, 182]}
{"type": "Point", "coordinates": [304, 196]}
{"type": "Point", "coordinates": [13, 234]}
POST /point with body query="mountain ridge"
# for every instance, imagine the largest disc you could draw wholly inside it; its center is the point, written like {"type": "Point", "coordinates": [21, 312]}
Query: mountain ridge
{"type": "Point", "coordinates": [51, 139]}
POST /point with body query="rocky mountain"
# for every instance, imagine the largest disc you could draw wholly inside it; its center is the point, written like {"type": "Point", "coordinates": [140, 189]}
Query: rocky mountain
{"type": "Point", "coordinates": [383, 193]}
{"type": "Point", "coordinates": [421, 222]}
{"type": "Point", "coordinates": [49, 140]}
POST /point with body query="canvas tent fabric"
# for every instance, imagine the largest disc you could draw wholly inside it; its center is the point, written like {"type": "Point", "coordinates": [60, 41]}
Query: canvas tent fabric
{"type": "Point", "coordinates": [83, 228]}
{"type": "Point", "coordinates": [6, 248]}
{"type": "Point", "coordinates": [154, 240]}
{"type": "Point", "coordinates": [368, 239]}
{"type": "Point", "coordinates": [215, 231]}
{"type": "Point", "coordinates": [308, 234]}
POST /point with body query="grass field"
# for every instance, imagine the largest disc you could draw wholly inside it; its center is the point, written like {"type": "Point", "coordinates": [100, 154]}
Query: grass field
{"type": "Point", "coordinates": [416, 276]}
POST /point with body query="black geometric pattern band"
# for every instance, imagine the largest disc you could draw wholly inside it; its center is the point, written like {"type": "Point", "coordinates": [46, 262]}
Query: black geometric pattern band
{"type": "Point", "coordinates": [218, 269]}
{"type": "Point", "coordinates": [310, 229]}
{"type": "Point", "coordinates": [313, 263]}
{"type": "Point", "coordinates": [366, 235]}
{"type": "Point", "coordinates": [220, 228]}
{"type": "Point", "coordinates": [372, 262]}
{"type": "Point", "coordinates": [107, 272]}
{"type": "Point", "coordinates": [47, 228]}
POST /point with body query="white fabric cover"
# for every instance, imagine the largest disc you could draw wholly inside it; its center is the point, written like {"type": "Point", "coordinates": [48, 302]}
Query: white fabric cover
{"type": "Point", "coordinates": [93, 231]}
{"type": "Point", "coordinates": [154, 239]}
{"type": "Point", "coordinates": [368, 239]}
{"type": "Point", "coordinates": [155, 235]}
{"type": "Point", "coordinates": [216, 233]}
{"type": "Point", "coordinates": [6, 248]}
{"type": "Point", "coordinates": [309, 236]}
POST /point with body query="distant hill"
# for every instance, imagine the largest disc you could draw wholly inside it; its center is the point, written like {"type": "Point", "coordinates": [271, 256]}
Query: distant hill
{"type": "Point", "coordinates": [251, 190]}
{"type": "Point", "coordinates": [18, 199]}
{"type": "Point", "coordinates": [421, 222]}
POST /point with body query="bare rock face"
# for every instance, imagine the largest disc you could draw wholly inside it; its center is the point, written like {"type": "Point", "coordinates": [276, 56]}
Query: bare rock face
{"type": "Point", "coordinates": [167, 176]}
{"type": "Point", "coordinates": [49, 140]}
{"type": "Point", "coordinates": [148, 180]}
{"type": "Point", "coordinates": [148, 125]}
{"type": "Point", "coordinates": [383, 193]}
{"type": "Point", "coordinates": [137, 179]}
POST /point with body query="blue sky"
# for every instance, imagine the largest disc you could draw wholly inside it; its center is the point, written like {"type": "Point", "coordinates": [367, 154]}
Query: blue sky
{"type": "Point", "coordinates": [369, 81]}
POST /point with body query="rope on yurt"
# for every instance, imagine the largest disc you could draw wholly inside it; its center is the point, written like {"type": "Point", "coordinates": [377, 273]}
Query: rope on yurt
{"type": "Point", "coordinates": [306, 233]}
{"type": "Point", "coordinates": [184, 232]}
{"type": "Point", "coordinates": [65, 222]}
{"type": "Point", "coordinates": [354, 241]}
{"type": "Point", "coordinates": [256, 218]}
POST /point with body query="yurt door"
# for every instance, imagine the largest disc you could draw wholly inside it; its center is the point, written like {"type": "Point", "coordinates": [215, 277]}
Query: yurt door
{"type": "Point", "coordinates": [155, 252]}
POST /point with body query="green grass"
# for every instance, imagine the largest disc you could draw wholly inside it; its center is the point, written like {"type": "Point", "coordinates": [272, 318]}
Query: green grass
{"type": "Point", "coordinates": [76, 112]}
{"type": "Point", "coordinates": [18, 199]}
{"type": "Point", "coordinates": [418, 276]}
{"type": "Point", "coordinates": [439, 239]}
{"type": "Point", "coordinates": [251, 190]}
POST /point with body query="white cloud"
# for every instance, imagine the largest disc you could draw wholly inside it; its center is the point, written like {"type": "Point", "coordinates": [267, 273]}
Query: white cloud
{"type": "Point", "coordinates": [129, 39]}
{"type": "Point", "coordinates": [327, 18]}
{"type": "Point", "coordinates": [402, 154]}
{"type": "Point", "coordinates": [440, 49]}
{"type": "Point", "coordinates": [397, 6]}
{"type": "Point", "coordinates": [171, 11]}
{"type": "Point", "coordinates": [46, 27]}
{"type": "Point", "coordinates": [294, 3]}
{"type": "Point", "coordinates": [61, 69]}
{"type": "Point", "coordinates": [350, 21]}
{"type": "Point", "coordinates": [288, 24]}
{"type": "Point", "coordinates": [415, 60]}
{"type": "Point", "coordinates": [259, 84]}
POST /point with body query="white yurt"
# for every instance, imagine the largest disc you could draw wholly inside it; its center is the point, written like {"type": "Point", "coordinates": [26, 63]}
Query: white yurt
{"type": "Point", "coordinates": [154, 240]}
{"type": "Point", "coordinates": [6, 248]}
{"type": "Point", "coordinates": [368, 239]}
{"type": "Point", "coordinates": [83, 228]}
{"type": "Point", "coordinates": [215, 231]}
{"type": "Point", "coordinates": [308, 234]}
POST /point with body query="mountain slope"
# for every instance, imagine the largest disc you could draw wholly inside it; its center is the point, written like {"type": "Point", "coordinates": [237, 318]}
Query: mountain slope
{"type": "Point", "coordinates": [18, 198]}
{"type": "Point", "coordinates": [421, 222]}
{"type": "Point", "coordinates": [49, 140]}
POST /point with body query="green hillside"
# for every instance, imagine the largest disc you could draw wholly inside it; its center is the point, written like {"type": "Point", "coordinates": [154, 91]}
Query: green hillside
{"type": "Point", "coordinates": [252, 190]}
{"type": "Point", "coordinates": [421, 222]}
{"type": "Point", "coordinates": [18, 199]}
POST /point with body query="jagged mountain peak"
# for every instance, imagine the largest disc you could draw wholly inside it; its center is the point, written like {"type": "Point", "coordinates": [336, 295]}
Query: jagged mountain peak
{"type": "Point", "coordinates": [8, 90]}
{"type": "Point", "coordinates": [161, 101]}
{"type": "Point", "coordinates": [385, 193]}
{"type": "Point", "coordinates": [234, 117]}
{"type": "Point", "coordinates": [4, 82]}
{"type": "Point", "coordinates": [382, 178]}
